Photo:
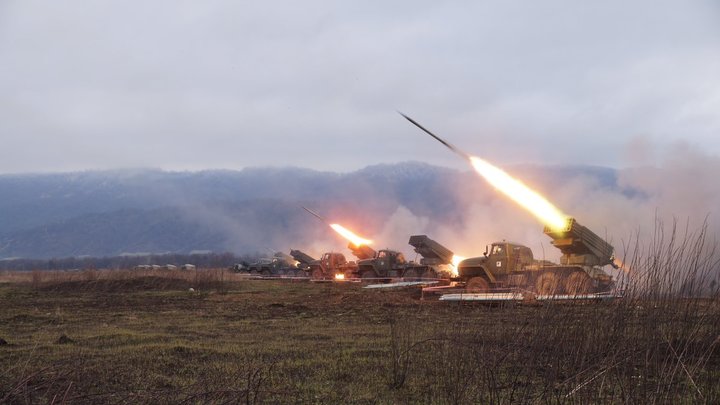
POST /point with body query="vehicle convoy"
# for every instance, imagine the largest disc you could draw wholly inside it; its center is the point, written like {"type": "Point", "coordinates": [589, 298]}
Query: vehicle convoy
{"type": "Point", "coordinates": [435, 262]}
{"type": "Point", "coordinates": [507, 264]}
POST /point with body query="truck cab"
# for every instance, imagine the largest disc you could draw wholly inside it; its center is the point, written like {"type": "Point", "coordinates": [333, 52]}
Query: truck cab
{"type": "Point", "coordinates": [330, 261]}
{"type": "Point", "coordinates": [330, 265]}
{"type": "Point", "coordinates": [506, 258]}
{"type": "Point", "coordinates": [499, 263]}
{"type": "Point", "coordinates": [387, 263]}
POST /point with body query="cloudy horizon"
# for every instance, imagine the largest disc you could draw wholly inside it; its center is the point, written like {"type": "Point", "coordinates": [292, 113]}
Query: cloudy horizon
{"type": "Point", "coordinates": [226, 85]}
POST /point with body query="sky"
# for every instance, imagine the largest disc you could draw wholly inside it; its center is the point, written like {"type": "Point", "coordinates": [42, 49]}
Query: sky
{"type": "Point", "coordinates": [220, 84]}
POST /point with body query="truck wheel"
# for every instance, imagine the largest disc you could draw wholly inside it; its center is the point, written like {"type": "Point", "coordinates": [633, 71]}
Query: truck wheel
{"type": "Point", "coordinates": [348, 274]}
{"type": "Point", "coordinates": [317, 274]}
{"type": "Point", "coordinates": [368, 274]}
{"type": "Point", "coordinates": [254, 272]}
{"type": "Point", "coordinates": [265, 273]}
{"type": "Point", "coordinates": [411, 275]}
{"type": "Point", "coordinates": [477, 285]}
{"type": "Point", "coordinates": [547, 284]}
{"type": "Point", "coordinates": [577, 283]}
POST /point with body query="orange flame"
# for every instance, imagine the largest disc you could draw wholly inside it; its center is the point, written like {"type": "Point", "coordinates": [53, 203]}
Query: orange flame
{"type": "Point", "coordinates": [454, 264]}
{"type": "Point", "coordinates": [520, 193]}
{"type": "Point", "coordinates": [347, 234]}
{"type": "Point", "coordinates": [619, 264]}
{"type": "Point", "coordinates": [339, 276]}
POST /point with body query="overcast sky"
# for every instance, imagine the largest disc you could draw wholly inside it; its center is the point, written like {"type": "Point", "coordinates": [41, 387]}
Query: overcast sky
{"type": "Point", "coordinates": [188, 85]}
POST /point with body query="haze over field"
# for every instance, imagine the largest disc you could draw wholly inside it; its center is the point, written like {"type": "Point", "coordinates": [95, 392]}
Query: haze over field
{"type": "Point", "coordinates": [610, 110]}
{"type": "Point", "coordinates": [145, 211]}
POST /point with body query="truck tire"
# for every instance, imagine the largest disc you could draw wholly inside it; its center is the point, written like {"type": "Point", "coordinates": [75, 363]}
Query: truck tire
{"type": "Point", "coordinates": [578, 283]}
{"type": "Point", "coordinates": [411, 275]}
{"type": "Point", "coordinates": [368, 274]}
{"type": "Point", "coordinates": [547, 283]}
{"type": "Point", "coordinates": [317, 274]}
{"type": "Point", "coordinates": [477, 285]}
{"type": "Point", "coordinates": [265, 273]}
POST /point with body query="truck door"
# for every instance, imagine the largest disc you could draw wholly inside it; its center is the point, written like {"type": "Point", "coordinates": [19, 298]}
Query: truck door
{"type": "Point", "coordinates": [499, 258]}
{"type": "Point", "coordinates": [326, 262]}
{"type": "Point", "coordinates": [518, 258]}
{"type": "Point", "coordinates": [383, 262]}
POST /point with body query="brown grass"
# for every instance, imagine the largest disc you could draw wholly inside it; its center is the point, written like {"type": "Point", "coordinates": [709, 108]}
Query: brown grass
{"type": "Point", "coordinates": [143, 337]}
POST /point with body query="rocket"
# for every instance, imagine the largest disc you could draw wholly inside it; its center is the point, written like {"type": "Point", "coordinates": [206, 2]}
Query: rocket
{"type": "Point", "coordinates": [315, 214]}
{"type": "Point", "coordinates": [447, 144]}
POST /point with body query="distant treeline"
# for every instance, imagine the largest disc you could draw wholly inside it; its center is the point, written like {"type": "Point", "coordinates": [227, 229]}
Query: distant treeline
{"type": "Point", "coordinates": [208, 260]}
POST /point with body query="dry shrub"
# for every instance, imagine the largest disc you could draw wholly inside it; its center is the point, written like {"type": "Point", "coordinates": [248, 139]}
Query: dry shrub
{"type": "Point", "coordinates": [659, 344]}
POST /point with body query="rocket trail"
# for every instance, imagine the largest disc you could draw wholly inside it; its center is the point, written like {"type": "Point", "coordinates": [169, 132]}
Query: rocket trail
{"type": "Point", "coordinates": [315, 214]}
{"type": "Point", "coordinates": [442, 141]}
{"type": "Point", "coordinates": [523, 195]}
{"type": "Point", "coordinates": [345, 233]}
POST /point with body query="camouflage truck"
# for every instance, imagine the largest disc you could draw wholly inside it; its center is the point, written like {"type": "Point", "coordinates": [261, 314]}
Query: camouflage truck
{"type": "Point", "coordinates": [387, 264]}
{"type": "Point", "coordinates": [507, 264]}
{"type": "Point", "coordinates": [332, 266]}
{"type": "Point", "coordinates": [280, 264]}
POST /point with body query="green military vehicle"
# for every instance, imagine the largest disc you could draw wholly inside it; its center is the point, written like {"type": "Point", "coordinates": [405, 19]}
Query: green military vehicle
{"type": "Point", "coordinates": [389, 264]}
{"type": "Point", "coordinates": [507, 264]}
{"type": "Point", "coordinates": [280, 264]}
{"type": "Point", "coordinates": [332, 266]}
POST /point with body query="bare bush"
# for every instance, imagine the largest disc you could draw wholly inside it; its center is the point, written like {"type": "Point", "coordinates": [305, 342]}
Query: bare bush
{"type": "Point", "coordinates": [659, 344]}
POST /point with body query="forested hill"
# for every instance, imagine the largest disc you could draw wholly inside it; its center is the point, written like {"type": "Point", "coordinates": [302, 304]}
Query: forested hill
{"type": "Point", "coordinates": [105, 213]}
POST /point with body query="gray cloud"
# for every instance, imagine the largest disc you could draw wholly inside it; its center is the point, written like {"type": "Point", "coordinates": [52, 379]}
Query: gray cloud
{"type": "Point", "coordinates": [188, 85]}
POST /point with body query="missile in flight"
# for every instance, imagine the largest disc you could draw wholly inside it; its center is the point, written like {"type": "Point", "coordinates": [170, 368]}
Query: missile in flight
{"type": "Point", "coordinates": [447, 144]}
{"type": "Point", "coordinates": [315, 214]}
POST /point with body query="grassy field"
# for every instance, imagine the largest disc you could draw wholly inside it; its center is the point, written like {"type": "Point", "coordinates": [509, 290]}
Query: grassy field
{"type": "Point", "coordinates": [145, 338]}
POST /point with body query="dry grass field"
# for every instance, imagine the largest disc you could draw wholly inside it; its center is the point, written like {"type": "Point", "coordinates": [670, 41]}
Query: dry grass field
{"type": "Point", "coordinates": [143, 337]}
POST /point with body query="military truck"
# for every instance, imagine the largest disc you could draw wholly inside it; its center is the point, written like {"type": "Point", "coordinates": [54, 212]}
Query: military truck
{"type": "Point", "coordinates": [279, 265]}
{"type": "Point", "coordinates": [331, 266]}
{"type": "Point", "coordinates": [435, 262]}
{"type": "Point", "coordinates": [386, 264]}
{"type": "Point", "coordinates": [507, 264]}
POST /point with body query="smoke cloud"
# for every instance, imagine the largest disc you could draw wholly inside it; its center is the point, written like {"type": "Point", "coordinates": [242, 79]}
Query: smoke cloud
{"type": "Point", "coordinates": [678, 185]}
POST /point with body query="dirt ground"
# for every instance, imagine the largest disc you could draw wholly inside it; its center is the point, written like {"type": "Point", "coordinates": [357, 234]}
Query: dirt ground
{"type": "Point", "coordinates": [150, 339]}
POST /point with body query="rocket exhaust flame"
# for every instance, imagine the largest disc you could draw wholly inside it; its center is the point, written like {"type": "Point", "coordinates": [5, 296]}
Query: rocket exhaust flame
{"type": "Point", "coordinates": [457, 259]}
{"type": "Point", "coordinates": [455, 263]}
{"type": "Point", "coordinates": [347, 234]}
{"type": "Point", "coordinates": [529, 199]}
{"type": "Point", "coordinates": [344, 232]}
